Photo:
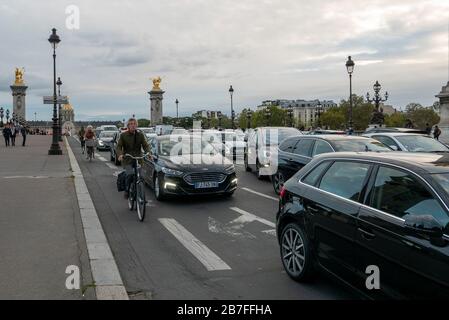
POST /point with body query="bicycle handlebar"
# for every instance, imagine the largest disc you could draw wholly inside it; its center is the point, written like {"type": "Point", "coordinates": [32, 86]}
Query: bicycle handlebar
{"type": "Point", "coordinates": [137, 158]}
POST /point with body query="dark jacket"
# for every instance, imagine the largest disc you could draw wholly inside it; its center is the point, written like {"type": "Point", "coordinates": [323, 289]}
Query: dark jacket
{"type": "Point", "coordinates": [7, 132]}
{"type": "Point", "coordinates": [132, 144]}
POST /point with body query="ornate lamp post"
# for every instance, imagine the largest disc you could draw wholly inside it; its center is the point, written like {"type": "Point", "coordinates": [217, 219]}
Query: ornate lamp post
{"type": "Point", "coordinates": [319, 110]}
{"type": "Point", "coordinates": [59, 84]}
{"type": "Point", "coordinates": [268, 116]}
{"type": "Point", "coordinates": [290, 115]}
{"type": "Point", "coordinates": [378, 116]}
{"type": "Point", "coordinates": [177, 115]}
{"type": "Point", "coordinates": [350, 68]}
{"type": "Point", "coordinates": [220, 116]}
{"type": "Point", "coordinates": [231, 93]}
{"type": "Point", "coordinates": [7, 116]}
{"type": "Point", "coordinates": [1, 116]}
{"type": "Point", "coordinates": [55, 149]}
{"type": "Point", "coordinates": [249, 115]}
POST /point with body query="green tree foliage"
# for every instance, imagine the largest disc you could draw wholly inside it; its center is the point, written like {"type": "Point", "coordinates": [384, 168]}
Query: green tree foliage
{"type": "Point", "coordinates": [396, 120]}
{"type": "Point", "coordinates": [420, 115]}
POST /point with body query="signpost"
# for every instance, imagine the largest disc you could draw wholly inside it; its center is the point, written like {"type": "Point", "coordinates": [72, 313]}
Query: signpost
{"type": "Point", "coordinates": [59, 100]}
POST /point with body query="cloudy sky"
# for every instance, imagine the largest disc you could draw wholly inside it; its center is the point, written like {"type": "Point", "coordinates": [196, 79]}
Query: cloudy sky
{"type": "Point", "coordinates": [267, 49]}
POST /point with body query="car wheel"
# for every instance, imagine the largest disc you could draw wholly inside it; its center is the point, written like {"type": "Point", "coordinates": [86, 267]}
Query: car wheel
{"type": "Point", "coordinates": [296, 253]}
{"type": "Point", "coordinates": [111, 157]}
{"type": "Point", "coordinates": [278, 181]}
{"type": "Point", "coordinates": [158, 189]}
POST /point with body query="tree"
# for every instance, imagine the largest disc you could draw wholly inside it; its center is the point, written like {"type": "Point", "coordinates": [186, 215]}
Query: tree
{"type": "Point", "coordinates": [396, 120]}
{"type": "Point", "coordinates": [333, 118]}
{"type": "Point", "coordinates": [362, 112]}
{"type": "Point", "coordinates": [143, 123]}
{"type": "Point", "coordinates": [420, 116]}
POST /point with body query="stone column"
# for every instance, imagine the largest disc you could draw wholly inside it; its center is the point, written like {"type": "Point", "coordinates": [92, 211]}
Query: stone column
{"type": "Point", "coordinates": [444, 113]}
{"type": "Point", "coordinates": [156, 97]}
{"type": "Point", "coordinates": [19, 104]}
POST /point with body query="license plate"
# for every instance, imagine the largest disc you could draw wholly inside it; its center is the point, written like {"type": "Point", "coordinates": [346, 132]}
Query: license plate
{"type": "Point", "coordinates": [206, 185]}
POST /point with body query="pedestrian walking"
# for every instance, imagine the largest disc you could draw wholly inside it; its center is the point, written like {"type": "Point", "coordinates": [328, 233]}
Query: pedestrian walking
{"type": "Point", "coordinates": [437, 133]}
{"type": "Point", "coordinates": [13, 135]}
{"type": "Point", "coordinates": [81, 134]}
{"type": "Point", "coordinates": [7, 134]}
{"type": "Point", "coordinates": [23, 131]}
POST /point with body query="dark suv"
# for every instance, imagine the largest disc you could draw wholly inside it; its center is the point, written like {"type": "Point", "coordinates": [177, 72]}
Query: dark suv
{"type": "Point", "coordinates": [367, 218]}
{"type": "Point", "coordinates": [295, 152]}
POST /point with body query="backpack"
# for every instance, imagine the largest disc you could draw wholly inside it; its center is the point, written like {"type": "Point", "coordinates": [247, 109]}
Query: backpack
{"type": "Point", "coordinates": [121, 181]}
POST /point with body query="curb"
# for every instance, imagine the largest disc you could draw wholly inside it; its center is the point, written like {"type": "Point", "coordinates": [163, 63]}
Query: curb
{"type": "Point", "coordinates": [105, 273]}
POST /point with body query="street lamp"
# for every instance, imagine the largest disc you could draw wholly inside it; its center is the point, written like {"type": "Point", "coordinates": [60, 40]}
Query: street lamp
{"type": "Point", "coordinates": [59, 84]}
{"type": "Point", "coordinates": [268, 115]}
{"type": "Point", "coordinates": [220, 116]}
{"type": "Point", "coordinates": [350, 68]}
{"type": "Point", "coordinates": [231, 92]}
{"type": "Point", "coordinates": [319, 110]}
{"type": "Point", "coordinates": [55, 149]}
{"type": "Point", "coordinates": [1, 116]}
{"type": "Point", "coordinates": [177, 116]}
{"type": "Point", "coordinates": [377, 114]}
{"type": "Point", "coordinates": [249, 115]}
{"type": "Point", "coordinates": [7, 116]}
{"type": "Point", "coordinates": [35, 118]}
{"type": "Point", "coordinates": [290, 115]}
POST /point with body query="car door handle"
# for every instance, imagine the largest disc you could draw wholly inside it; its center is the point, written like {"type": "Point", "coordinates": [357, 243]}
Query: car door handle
{"type": "Point", "coordinates": [367, 235]}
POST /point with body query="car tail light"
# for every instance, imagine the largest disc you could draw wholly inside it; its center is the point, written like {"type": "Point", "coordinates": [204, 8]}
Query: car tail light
{"type": "Point", "coordinates": [282, 193]}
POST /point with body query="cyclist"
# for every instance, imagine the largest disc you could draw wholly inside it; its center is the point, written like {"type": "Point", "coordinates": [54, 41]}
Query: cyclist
{"type": "Point", "coordinates": [90, 135]}
{"type": "Point", "coordinates": [81, 137]}
{"type": "Point", "coordinates": [131, 141]}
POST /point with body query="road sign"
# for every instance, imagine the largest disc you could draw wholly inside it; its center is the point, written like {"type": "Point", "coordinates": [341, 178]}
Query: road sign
{"type": "Point", "coordinates": [59, 100]}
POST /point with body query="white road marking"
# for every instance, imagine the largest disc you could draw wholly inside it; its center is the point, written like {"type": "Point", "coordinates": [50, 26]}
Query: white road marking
{"type": "Point", "coordinates": [249, 217]}
{"type": "Point", "coordinates": [77, 139]}
{"type": "Point", "coordinates": [208, 258]}
{"type": "Point", "coordinates": [271, 232]}
{"type": "Point", "coordinates": [231, 229]}
{"type": "Point", "coordinates": [261, 194]}
{"type": "Point", "coordinates": [97, 155]}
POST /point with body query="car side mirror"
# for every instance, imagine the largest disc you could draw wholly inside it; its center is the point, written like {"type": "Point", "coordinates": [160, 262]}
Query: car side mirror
{"type": "Point", "coordinates": [395, 148]}
{"type": "Point", "coordinates": [424, 225]}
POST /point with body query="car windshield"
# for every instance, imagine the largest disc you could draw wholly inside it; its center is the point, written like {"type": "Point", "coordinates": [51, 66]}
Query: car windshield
{"type": "Point", "coordinates": [185, 146]}
{"type": "Point", "coordinates": [359, 145]}
{"type": "Point", "coordinates": [110, 128]}
{"type": "Point", "coordinates": [107, 134]}
{"type": "Point", "coordinates": [417, 143]}
{"type": "Point", "coordinates": [274, 137]}
{"type": "Point", "coordinates": [147, 130]}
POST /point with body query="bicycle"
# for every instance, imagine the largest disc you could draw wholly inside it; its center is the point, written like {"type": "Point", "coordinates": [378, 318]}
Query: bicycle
{"type": "Point", "coordinates": [137, 189]}
{"type": "Point", "coordinates": [90, 145]}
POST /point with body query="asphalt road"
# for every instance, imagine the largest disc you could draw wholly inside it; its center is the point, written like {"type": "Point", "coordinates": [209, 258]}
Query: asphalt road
{"type": "Point", "coordinates": [198, 248]}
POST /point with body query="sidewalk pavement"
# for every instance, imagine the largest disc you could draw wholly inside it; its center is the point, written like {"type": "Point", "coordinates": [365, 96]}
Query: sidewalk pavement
{"type": "Point", "coordinates": [40, 225]}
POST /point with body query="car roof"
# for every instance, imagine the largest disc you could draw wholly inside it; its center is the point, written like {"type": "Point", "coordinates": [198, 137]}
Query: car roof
{"type": "Point", "coordinates": [397, 134]}
{"type": "Point", "coordinates": [430, 162]}
{"type": "Point", "coordinates": [332, 137]}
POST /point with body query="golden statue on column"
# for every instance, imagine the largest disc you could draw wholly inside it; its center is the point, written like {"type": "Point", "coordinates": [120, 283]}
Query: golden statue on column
{"type": "Point", "coordinates": [19, 76]}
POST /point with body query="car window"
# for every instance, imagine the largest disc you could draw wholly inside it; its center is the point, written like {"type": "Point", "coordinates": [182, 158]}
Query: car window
{"type": "Point", "coordinates": [399, 193]}
{"type": "Point", "coordinates": [321, 147]}
{"type": "Point", "coordinates": [360, 145]}
{"type": "Point", "coordinates": [387, 141]}
{"type": "Point", "coordinates": [288, 145]}
{"type": "Point", "coordinates": [345, 179]}
{"type": "Point", "coordinates": [312, 177]}
{"type": "Point", "coordinates": [303, 147]}
{"type": "Point", "coordinates": [418, 143]}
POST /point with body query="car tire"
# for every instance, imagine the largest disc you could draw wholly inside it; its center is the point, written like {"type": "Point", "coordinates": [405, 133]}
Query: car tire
{"type": "Point", "coordinates": [158, 190]}
{"type": "Point", "coordinates": [111, 158]}
{"type": "Point", "coordinates": [278, 181]}
{"type": "Point", "coordinates": [297, 258]}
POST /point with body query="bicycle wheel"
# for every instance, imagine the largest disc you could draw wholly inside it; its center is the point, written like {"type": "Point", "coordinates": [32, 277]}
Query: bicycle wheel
{"type": "Point", "coordinates": [132, 197]}
{"type": "Point", "coordinates": [141, 201]}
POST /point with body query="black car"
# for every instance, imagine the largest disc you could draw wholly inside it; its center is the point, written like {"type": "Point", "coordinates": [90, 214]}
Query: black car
{"type": "Point", "coordinates": [186, 165]}
{"type": "Point", "coordinates": [113, 148]}
{"type": "Point", "coordinates": [295, 152]}
{"type": "Point", "coordinates": [359, 215]}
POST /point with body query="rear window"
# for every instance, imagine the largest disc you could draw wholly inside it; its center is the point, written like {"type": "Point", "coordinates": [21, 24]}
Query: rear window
{"type": "Point", "coordinates": [359, 145]}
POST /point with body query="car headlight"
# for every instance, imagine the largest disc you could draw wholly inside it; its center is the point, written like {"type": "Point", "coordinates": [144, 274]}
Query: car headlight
{"type": "Point", "coordinates": [100, 143]}
{"type": "Point", "coordinates": [230, 169]}
{"type": "Point", "coordinates": [172, 172]}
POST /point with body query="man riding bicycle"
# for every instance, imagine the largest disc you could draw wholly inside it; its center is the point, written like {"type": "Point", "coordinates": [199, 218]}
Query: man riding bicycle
{"type": "Point", "coordinates": [131, 142]}
{"type": "Point", "coordinates": [89, 138]}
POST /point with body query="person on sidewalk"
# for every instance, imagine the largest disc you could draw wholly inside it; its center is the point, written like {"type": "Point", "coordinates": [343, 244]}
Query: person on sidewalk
{"type": "Point", "coordinates": [437, 133]}
{"type": "Point", "coordinates": [23, 131]}
{"type": "Point", "coordinates": [13, 135]}
{"type": "Point", "coordinates": [7, 134]}
{"type": "Point", "coordinates": [132, 142]}
{"type": "Point", "coordinates": [428, 129]}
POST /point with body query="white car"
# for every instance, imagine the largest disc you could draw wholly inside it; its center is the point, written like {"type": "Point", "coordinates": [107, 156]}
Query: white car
{"type": "Point", "coordinates": [409, 142]}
